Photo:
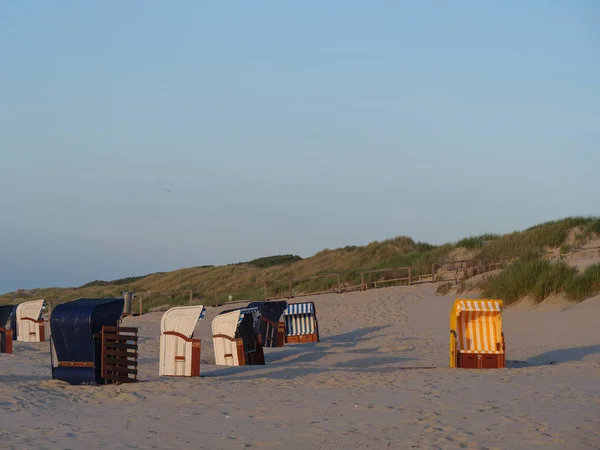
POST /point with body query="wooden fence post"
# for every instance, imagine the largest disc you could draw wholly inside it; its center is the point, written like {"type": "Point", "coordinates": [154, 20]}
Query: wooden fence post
{"type": "Point", "coordinates": [265, 290]}
{"type": "Point", "coordinates": [339, 285]}
{"type": "Point", "coordinates": [433, 273]}
{"type": "Point", "coordinates": [409, 275]}
{"type": "Point", "coordinates": [216, 298]}
{"type": "Point", "coordinates": [291, 292]}
{"type": "Point", "coordinates": [191, 295]}
{"type": "Point", "coordinates": [141, 304]}
{"type": "Point", "coordinates": [362, 281]}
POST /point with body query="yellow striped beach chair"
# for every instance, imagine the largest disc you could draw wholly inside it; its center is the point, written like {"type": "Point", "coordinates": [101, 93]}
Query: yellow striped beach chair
{"type": "Point", "coordinates": [476, 337]}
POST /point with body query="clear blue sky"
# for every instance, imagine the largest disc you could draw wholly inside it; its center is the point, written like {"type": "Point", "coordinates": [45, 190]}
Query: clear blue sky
{"type": "Point", "coordinates": [284, 127]}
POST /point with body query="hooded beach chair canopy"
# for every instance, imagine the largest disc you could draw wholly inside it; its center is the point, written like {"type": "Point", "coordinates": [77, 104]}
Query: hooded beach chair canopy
{"type": "Point", "coordinates": [179, 353]}
{"type": "Point", "coordinates": [75, 345]}
{"type": "Point", "coordinates": [270, 325]}
{"type": "Point", "coordinates": [476, 328]}
{"type": "Point", "coordinates": [271, 311]}
{"type": "Point", "coordinates": [29, 321]}
{"type": "Point", "coordinates": [228, 328]}
{"type": "Point", "coordinates": [301, 323]}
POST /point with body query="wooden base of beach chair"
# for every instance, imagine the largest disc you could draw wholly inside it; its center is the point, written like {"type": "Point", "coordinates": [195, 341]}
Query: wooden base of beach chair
{"type": "Point", "coordinates": [41, 328]}
{"type": "Point", "coordinates": [481, 361]}
{"type": "Point", "coordinates": [196, 351]}
{"type": "Point", "coordinates": [280, 339]}
{"type": "Point", "coordinates": [302, 338]}
{"type": "Point", "coordinates": [195, 363]}
{"type": "Point", "coordinates": [255, 358]}
{"type": "Point", "coordinates": [42, 331]}
{"type": "Point", "coordinates": [6, 341]}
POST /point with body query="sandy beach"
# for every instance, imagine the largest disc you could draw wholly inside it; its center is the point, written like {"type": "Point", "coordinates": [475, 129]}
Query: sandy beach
{"type": "Point", "coordinates": [379, 378]}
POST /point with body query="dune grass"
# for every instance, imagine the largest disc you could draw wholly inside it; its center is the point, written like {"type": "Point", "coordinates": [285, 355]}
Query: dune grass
{"type": "Point", "coordinates": [540, 279]}
{"type": "Point", "coordinates": [247, 280]}
{"type": "Point", "coordinates": [585, 285]}
{"type": "Point", "coordinates": [537, 239]}
{"type": "Point", "coordinates": [475, 242]}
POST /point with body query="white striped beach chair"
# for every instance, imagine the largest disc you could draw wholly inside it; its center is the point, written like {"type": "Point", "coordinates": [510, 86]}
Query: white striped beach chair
{"type": "Point", "coordinates": [301, 325]}
{"type": "Point", "coordinates": [179, 351]}
{"type": "Point", "coordinates": [476, 337]}
{"type": "Point", "coordinates": [30, 324]}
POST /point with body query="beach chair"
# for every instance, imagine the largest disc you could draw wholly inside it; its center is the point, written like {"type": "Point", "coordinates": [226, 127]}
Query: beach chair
{"type": "Point", "coordinates": [270, 325]}
{"type": "Point", "coordinates": [476, 337]}
{"type": "Point", "coordinates": [7, 327]}
{"type": "Point", "coordinates": [179, 352]}
{"type": "Point", "coordinates": [301, 324]}
{"type": "Point", "coordinates": [30, 324]}
{"type": "Point", "coordinates": [235, 338]}
{"type": "Point", "coordinates": [88, 345]}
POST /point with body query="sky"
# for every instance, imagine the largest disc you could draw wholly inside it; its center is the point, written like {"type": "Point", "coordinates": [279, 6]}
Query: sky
{"type": "Point", "coordinates": [148, 136]}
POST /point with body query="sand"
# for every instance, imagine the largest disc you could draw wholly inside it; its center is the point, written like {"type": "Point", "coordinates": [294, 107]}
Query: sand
{"type": "Point", "coordinates": [360, 387]}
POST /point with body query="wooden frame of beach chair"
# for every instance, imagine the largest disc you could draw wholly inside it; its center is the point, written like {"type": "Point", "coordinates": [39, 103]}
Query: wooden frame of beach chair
{"type": "Point", "coordinates": [230, 348]}
{"type": "Point", "coordinates": [301, 323]}
{"type": "Point", "coordinates": [30, 325]}
{"type": "Point", "coordinates": [119, 360]}
{"type": "Point", "coordinates": [476, 337]}
{"type": "Point", "coordinates": [6, 340]}
{"type": "Point", "coordinates": [179, 352]}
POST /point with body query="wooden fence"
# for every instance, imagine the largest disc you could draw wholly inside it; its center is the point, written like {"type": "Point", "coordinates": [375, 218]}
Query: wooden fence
{"type": "Point", "coordinates": [582, 253]}
{"type": "Point", "coordinates": [455, 271]}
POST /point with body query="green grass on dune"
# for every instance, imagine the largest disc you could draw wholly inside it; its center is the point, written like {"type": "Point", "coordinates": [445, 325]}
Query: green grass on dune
{"type": "Point", "coordinates": [536, 239]}
{"type": "Point", "coordinates": [529, 276]}
{"type": "Point", "coordinates": [541, 279]}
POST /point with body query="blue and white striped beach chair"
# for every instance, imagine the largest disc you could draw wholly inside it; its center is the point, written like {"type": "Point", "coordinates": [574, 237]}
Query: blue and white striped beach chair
{"type": "Point", "coordinates": [301, 325]}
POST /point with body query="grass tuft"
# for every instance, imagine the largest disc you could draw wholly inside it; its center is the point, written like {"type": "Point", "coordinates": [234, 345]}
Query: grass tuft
{"type": "Point", "coordinates": [444, 288]}
{"type": "Point", "coordinates": [476, 242]}
{"type": "Point", "coordinates": [585, 285]}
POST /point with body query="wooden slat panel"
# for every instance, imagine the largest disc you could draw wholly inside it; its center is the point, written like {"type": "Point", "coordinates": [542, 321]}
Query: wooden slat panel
{"type": "Point", "coordinates": [119, 378]}
{"type": "Point", "coordinates": [119, 370]}
{"type": "Point", "coordinates": [120, 329]}
{"type": "Point", "coordinates": [119, 338]}
{"type": "Point", "coordinates": [120, 346]}
{"type": "Point", "coordinates": [121, 353]}
{"type": "Point", "coordinates": [120, 362]}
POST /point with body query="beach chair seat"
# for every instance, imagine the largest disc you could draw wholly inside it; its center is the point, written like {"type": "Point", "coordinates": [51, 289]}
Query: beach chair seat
{"type": "Point", "coordinates": [301, 324]}
{"type": "Point", "coordinates": [179, 352]}
{"type": "Point", "coordinates": [235, 338]}
{"type": "Point", "coordinates": [30, 324]}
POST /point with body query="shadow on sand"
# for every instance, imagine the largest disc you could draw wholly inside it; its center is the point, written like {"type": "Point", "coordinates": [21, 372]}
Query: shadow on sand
{"type": "Point", "coordinates": [554, 357]}
{"type": "Point", "coordinates": [282, 363]}
{"type": "Point", "coordinates": [563, 355]}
